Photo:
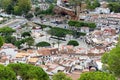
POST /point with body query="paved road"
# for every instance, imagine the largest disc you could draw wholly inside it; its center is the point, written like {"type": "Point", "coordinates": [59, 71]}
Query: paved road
{"type": "Point", "coordinates": [14, 22]}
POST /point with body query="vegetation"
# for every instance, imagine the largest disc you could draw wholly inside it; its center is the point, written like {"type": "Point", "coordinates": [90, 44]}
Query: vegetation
{"type": "Point", "coordinates": [18, 43]}
{"type": "Point", "coordinates": [6, 73]}
{"type": "Point", "coordinates": [112, 60]}
{"type": "Point", "coordinates": [43, 26]}
{"type": "Point", "coordinates": [91, 5]}
{"type": "Point", "coordinates": [72, 23]}
{"type": "Point", "coordinates": [46, 12]}
{"type": "Point", "coordinates": [26, 34]}
{"type": "Point", "coordinates": [10, 39]}
{"type": "Point", "coordinates": [114, 6]}
{"type": "Point", "coordinates": [28, 72]}
{"type": "Point", "coordinates": [64, 31]}
{"type": "Point", "coordinates": [113, 0]}
{"type": "Point", "coordinates": [96, 76]}
{"type": "Point", "coordinates": [61, 76]}
{"type": "Point", "coordinates": [73, 42]}
{"type": "Point", "coordinates": [79, 24]}
{"type": "Point", "coordinates": [17, 7]}
{"type": "Point", "coordinates": [43, 44]}
{"type": "Point", "coordinates": [29, 16]}
{"type": "Point", "coordinates": [105, 58]}
{"type": "Point", "coordinates": [6, 31]}
{"type": "Point", "coordinates": [29, 41]}
{"type": "Point", "coordinates": [58, 32]}
{"type": "Point", "coordinates": [1, 41]}
{"type": "Point", "coordinates": [0, 3]}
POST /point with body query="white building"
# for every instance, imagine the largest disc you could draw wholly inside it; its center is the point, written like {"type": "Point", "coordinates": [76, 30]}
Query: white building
{"type": "Point", "coordinates": [84, 29]}
{"type": "Point", "coordinates": [43, 6]}
{"type": "Point", "coordinates": [59, 2]}
{"type": "Point", "coordinates": [1, 18]}
{"type": "Point", "coordinates": [9, 49]}
{"type": "Point", "coordinates": [102, 10]}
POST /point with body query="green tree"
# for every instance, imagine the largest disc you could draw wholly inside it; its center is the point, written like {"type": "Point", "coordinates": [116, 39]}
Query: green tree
{"type": "Point", "coordinates": [81, 24]}
{"type": "Point", "coordinates": [6, 3]}
{"type": "Point", "coordinates": [96, 76]}
{"type": "Point", "coordinates": [10, 39]}
{"type": "Point", "coordinates": [88, 2]}
{"type": "Point", "coordinates": [17, 7]}
{"type": "Point", "coordinates": [58, 32]}
{"type": "Point", "coordinates": [114, 6]}
{"type": "Point", "coordinates": [26, 34]}
{"type": "Point", "coordinates": [18, 43]}
{"type": "Point", "coordinates": [112, 59]}
{"type": "Point", "coordinates": [1, 3]}
{"type": "Point", "coordinates": [29, 16]}
{"type": "Point", "coordinates": [47, 11]}
{"type": "Point", "coordinates": [6, 73]}
{"type": "Point", "coordinates": [17, 10]}
{"type": "Point", "coordinates": [29, 72]}
{"type": "Point", "coordinates": [6, 31]}
{"type": "Point", "coordinates": [50, 9]}
{"type": "Point", "coordinates": [29, 41]}
{"type": "Point", "coordinates": [105, 58]}
{"type": "Point", "coordinates": [61, 76]}
{"type": "Point", "coordinates": [96, 3]}
{"type": "Point", "coordinates": [72, 23]}
{"type": "Point", "coordinates": [37, 8]}
{"type": "Point", "coordinates": [43, 44]}
{"type": "Point", "coordinates": [92, 4]}
{"type": "Point", "coordinates": [118, 44]}
{"type": "Point", "coordinates": [90, 25]}
{"type": "Point", "coordinates": [24, 5]}
{"type": "Point", "coordinates": [9, 9]}
{"type": "Point", "coordinates": [1, 41]}
{"type": "Point", "coordinates": [73, 42]}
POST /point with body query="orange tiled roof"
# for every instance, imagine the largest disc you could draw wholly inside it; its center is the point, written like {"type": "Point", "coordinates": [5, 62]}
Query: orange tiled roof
{"type": "Point", "coordinates": [30, 51]}
{"type": "Point", "coordinates": [9, 45]}
{"type": "Point", "coordinates": [44, 51]}
{"type": "Point", "coordinates": [33, 60]}
{"type": "Point", "coordinates": [21, 54]}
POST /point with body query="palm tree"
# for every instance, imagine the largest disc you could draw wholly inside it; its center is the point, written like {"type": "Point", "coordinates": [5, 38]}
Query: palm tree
{"type": "Point", "coordinates": [58, 42]}
{"type": "Point", "coordinates": [53, 44]}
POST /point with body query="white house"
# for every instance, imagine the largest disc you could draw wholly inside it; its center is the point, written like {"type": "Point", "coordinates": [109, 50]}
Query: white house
{"type": "Point", "coordinates": [1, 18]}
{"type": "Point", "coordinates": [102, 10]}
{"type": "Point", "coordinates": [59, 2]}
{"type": "Point", "coordinates": [9, 49]}
{"type": "Point", "coordinates": [84, 29]}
